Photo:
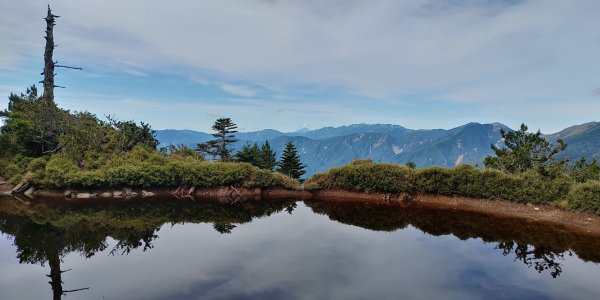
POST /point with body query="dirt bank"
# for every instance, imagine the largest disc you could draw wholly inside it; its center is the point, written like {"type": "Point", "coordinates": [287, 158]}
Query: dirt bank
{"type": "Point", "coordinates": [581, 222]}
{"type": "Point", "coordinates": [5, 186]}
{"type": "Point", "coordinates": [545, 213]}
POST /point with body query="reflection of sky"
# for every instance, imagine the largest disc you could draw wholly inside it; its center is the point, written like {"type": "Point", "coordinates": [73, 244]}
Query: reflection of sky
{"type": "Point", "coordinates": [300, 256]}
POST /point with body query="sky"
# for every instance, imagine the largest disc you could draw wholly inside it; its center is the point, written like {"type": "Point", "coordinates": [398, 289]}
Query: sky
{"type": "Point", "coordinates": [292, 64]}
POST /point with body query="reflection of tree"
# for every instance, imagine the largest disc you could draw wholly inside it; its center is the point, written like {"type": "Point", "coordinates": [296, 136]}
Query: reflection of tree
{"type": "Point", "coordinates": [43, 233]}
{"type": "Point", "coordinates": [541, 258]}
{"type": "Point", "coordinates": [223, 228]}
{"type": "Point", "coordinates": [541, 246]}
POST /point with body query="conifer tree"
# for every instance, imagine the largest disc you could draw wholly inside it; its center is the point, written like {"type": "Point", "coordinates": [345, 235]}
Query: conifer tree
{"type": "Point", "coordinates": [224, 133]}
{"type": "Point", "coordinates": [267, 157]}
{"type": "Point", "coordinates": [524, 151]}
{"type": "Point", "coordinates": [290, 162]}
{"type": "Point", "coordinates": [249, 154]}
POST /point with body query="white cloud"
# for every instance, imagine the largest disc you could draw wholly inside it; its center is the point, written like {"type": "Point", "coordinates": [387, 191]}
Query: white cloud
{"type": "Point", "coordinates": [499, 53]}
{"type": "Point", "coordinates": [238, 90]}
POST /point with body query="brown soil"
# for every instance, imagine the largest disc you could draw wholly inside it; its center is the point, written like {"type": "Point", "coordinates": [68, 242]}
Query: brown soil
{"type": "Point", "coordinates": [5, 186]}
{"type": "Point", "coordinates": [545, 213]}
{"type": "Point", "coordinates": [581, 222]}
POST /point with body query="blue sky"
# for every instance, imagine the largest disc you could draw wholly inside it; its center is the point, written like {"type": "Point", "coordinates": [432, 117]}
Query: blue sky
{"type": "Point", "coordinates": [291, 64]}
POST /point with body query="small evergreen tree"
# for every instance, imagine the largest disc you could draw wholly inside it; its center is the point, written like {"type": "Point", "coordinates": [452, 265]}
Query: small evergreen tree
{"type": "Point", "coordinates": [225, 129]}
{"type": "Point", "coordinates": [224, 133]}
{"type": "Point", "coordinates": [290, 162]}
{"type": "Point", "coordinates": [249, 154]}
{"type": "Point", "coordinates": [581, 171]}
{"type": "Point", "coordinates": [525, 151]}
{"type": "Point", "coordinates": [267, 157]}
{"type": "Point", "coordinates": [207, 149]}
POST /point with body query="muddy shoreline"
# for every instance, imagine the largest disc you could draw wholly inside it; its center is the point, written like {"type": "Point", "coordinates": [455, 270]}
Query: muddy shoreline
{"type": "Point", "coordinates": [544, 213]}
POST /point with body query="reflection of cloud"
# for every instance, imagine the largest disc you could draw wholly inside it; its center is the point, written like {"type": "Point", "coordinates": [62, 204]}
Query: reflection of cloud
{"type": "Point", "coordinates": [238, 90]}
{"type": "Point", "coordinates": [596, 92]}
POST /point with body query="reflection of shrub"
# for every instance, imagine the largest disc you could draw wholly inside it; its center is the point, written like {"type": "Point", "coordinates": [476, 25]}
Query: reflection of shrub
{"type": "Point", "coordinates": [463, 180]}
{"type": "Point", "coordinates": [147, 168]}
{"type": "Point", "coordinates": [586, 197]}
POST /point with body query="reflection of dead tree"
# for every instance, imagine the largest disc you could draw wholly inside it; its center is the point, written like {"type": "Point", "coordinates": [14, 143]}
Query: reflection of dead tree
{"type": "Point", "coordinates": [56, 276]}
{"type": "Point", "coordinates": [540, 258]}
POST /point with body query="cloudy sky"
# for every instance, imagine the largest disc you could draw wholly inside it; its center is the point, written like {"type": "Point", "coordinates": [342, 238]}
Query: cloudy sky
{"type": "Point", "coordinates": [311, 63]}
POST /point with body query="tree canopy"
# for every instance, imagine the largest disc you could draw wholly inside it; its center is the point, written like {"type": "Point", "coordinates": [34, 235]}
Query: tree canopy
{"type": "Point", "coordinates": [224, 133]}
{"type": "Point", "coordinates": [524, 151]}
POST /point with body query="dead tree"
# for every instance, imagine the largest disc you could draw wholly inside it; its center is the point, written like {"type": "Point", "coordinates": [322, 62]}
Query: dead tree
{"type": "Point", "coordinates": [49, 63]}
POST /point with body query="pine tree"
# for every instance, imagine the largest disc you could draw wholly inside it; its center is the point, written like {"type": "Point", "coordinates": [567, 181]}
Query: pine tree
{"type": "Point", "coordinates": [224, 133]}
{"type": "Point", "coordinates": [249, 154]}
{"type": "Point", "coordinates": [267, 157]}
{"type": "Point", "coordinates": [525, 151]}
{"type": "Point", "coordinates": [290, 162]}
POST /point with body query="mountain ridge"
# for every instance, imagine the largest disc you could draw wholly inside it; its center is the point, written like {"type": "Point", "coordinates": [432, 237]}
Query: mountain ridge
{"type": "Point", "coordinates": [328, 147]}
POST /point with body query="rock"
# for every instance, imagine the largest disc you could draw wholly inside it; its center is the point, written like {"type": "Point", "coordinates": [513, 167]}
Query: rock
{"type": "Point", "coordinates": [529, 205]}
{"type": "Point", "coordinates": [133, 194]}
{"type": "Point", "coordinates": [127, 190]}
{"type": "Point", "coordinates": [83, 196]}
{"type": "Point", "coordinates": [30, 191]}
{"type": "Point", "coordinates": [147, 194]}
{"type": "Point", "coordinates": [589, 219]}
{"type": "Point", "coordinates": [68, 193]}
{"type": "Point", "coordinates": [106, 194]}
{"type": "Point", "coordinates": [21, 187]}
{"type": "Point", "coordinates": [118, 193]}
{"type": "Point", "coordinates": [536, 208]}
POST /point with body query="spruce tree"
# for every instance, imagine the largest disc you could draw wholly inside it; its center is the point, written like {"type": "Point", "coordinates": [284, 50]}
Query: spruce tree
{"type": "Point", "coordinates": [267, 157]}
{"type": "Point", "coordinates": [290, 162]}
{"type": "Point", "coordinates": [249, 154]}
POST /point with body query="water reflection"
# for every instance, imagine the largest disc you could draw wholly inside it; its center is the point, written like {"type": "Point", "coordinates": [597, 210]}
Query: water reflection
{"type": "Point", "coordinates": [46, 231]}
{"type": "Point", "coordinates": [537, 245]}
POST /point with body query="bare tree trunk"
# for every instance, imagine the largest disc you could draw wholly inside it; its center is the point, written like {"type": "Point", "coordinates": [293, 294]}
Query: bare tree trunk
{"type": "Point", "coordinates": [48, 62]}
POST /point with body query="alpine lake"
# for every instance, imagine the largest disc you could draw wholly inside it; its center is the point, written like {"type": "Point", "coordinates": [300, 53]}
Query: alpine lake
{"type": "Point", "coordinates": [206, 249]}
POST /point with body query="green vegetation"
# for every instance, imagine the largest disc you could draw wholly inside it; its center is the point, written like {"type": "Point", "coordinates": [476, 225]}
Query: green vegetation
{"type": "Point", "coordinates": [290, 162]}
{"type": "Point", "coordinates": [581, 171]}
{"type": "Point", "coordinates": [54, 148]}
{"type": "Point", "coordinates": [224, 136]}
{"type": "Point", "coordinates": [525, 151]}
{"type": "Point", "coordinates": [464, 180]}
{"type": "Point", "coordinates": [143, 167]}
{"type": "Point", "coordinates": [37, 128]}
{"type": "Point", "coordinates": [263, 157]}
{"type": "Point", "coordinates": [585, 197]}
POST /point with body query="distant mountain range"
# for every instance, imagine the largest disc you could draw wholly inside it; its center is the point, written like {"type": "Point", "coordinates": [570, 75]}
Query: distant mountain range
{"type": "Point", "coordinates": [329, 147]}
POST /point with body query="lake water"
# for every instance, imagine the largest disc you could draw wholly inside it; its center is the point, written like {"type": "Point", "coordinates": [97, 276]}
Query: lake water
{"type": "Point", "coordinates": [291, 250]}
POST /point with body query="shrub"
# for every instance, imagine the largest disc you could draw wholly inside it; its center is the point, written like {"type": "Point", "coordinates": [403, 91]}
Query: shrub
{"type": "Point", "coordinates": [463, 180]}
{"type": "Point", "coordinates": [585, 197]}
{"type": "Point", "coordinates": [364, 176]}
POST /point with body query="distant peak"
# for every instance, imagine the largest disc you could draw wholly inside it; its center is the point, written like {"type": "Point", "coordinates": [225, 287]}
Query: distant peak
{"type": "Point", "coordinates": [303, 129]}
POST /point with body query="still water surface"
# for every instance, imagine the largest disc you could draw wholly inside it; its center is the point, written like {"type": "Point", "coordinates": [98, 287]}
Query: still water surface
{"type": "Point", "coordinates": [291, 250]}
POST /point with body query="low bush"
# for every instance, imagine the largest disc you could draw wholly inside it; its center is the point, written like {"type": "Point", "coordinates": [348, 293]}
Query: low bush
{"type": "Point", "coordinates": [147, 168]}
{"type": "Point", "coordinates": [585, 197]}
{"type": "Point", "coordinates": [364, 176]}
{"type": "Point", "coordinates": [464, 180]}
